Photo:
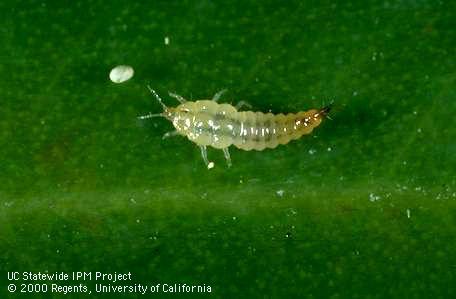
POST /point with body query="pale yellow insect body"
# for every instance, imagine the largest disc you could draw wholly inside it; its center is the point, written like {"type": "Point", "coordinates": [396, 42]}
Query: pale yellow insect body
{"type": "Point", "coordinates": [208, 123]}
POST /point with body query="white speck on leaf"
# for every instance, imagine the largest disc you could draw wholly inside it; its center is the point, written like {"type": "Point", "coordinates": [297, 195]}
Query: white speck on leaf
{"type": "Point", "coordinates": [280, 192]}
{"type": "Point", "coordinates": [374, 56]}
{"type": "Point", "coordinates": [373, 197]}
{"type": "Point", "coordinates": [121, 73]}
{"type": "Point", "coordinates": [291, 212]}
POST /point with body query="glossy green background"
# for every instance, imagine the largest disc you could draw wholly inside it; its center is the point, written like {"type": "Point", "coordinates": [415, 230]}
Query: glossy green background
{"type": "Point", "coordinates": [363, 208]}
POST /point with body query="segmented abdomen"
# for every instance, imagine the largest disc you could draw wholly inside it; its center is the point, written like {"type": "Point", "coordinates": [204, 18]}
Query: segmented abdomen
{"type": "Point", "coordinates": [257, 130]}
{"type": "Point", "coordinates": [208, 123]}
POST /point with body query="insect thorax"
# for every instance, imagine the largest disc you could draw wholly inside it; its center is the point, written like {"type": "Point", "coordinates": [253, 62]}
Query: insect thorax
{"type": "Point", "coordinates": [205, 122]}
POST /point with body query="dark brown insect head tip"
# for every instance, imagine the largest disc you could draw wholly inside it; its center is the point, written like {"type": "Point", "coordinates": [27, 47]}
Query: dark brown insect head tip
{"type": "Point", "coordinates": [325, 110]}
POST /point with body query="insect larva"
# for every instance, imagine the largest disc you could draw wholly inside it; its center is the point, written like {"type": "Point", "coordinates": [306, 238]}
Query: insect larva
{"type": "Point", "coordinates": [208, 123]}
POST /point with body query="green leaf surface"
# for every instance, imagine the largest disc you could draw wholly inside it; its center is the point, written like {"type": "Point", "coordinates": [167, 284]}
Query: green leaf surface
{"type": "Point", "coordinates": [364, 207]}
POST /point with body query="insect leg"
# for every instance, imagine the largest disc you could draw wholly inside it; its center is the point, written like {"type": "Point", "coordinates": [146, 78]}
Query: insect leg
{"type": "Point", "coordinates": [204, 154]}
{"type": "Point", "coordinates": [150, 115]}
{"type": "Point", "coordinates": [170, 134]}
{"type": "Point", "coordinates": [242, 104]}
{"type": "Point", "coordinates": [227, 156]}
{"type": "Point", "coordinates": [177, 97]}
{"type": "Point", "coordinates": [217, 96]}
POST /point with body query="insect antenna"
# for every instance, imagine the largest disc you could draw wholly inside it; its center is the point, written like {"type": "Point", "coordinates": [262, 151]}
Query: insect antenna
{"type": "Point", "coordinates": [152, 115]}
{"type": "Point", "coordinates": [157, 97]}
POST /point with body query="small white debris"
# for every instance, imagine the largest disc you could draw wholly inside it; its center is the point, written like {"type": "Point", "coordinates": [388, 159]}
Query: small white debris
{"type": "Point", "coordinates": [419, 130]}
{"type": "Point", "coordinates": [166, 40]}
{"type": "Point", "coordinates": [408, 213]}
{"type": "Point", "coordinates": [291, 212]}
{"type": "Point", "coordinates": [138, 221]}
{"type": "Point", "coordinates": [8, 204]}
{"type": "Point", "coordinates": [121, 73]}
{"type": "Point", "coordinates": [210, 165]}
{"type": "Point", "coordinates": [133, 200]}
{"type": "Point", "coordinates": [329, 149]}
{"type": "Point", "coordinates": [234, 217]}
{"type": "Point", "coordinates": [374, 56]}
{"type": "Point", "coordinates": [373, 197]}
{"type": "Point", "coordinates": [312, 151]}
{"type": "Point", "coordinates": [280, 193]}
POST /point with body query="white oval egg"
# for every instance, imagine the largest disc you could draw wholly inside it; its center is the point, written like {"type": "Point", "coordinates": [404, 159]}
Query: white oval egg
{"type": "Point", "coordinates": [121, 73]}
